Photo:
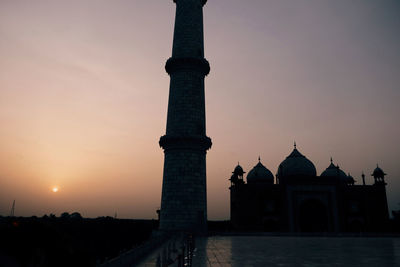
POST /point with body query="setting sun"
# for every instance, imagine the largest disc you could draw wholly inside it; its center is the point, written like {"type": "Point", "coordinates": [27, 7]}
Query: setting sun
{"type": "Point", "coordinates": [55, 189]}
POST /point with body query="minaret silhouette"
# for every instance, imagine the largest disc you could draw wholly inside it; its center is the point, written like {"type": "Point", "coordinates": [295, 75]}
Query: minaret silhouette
{"type": "Point", "coordinates": [184, 197]}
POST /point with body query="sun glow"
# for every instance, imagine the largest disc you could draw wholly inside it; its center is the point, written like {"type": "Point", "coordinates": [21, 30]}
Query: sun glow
{"type": "Point", "coordinates": [54, 189]}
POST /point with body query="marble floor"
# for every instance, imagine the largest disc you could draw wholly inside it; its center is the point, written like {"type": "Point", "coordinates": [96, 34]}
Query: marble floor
{"type": "Point", "coordinates": [296, 251]}
{"type": "Point", "coordinates": [243, 251]}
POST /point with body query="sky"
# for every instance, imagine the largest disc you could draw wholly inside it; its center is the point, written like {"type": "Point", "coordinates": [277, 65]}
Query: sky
{"type": "Point", "coordinates": [83, 97]}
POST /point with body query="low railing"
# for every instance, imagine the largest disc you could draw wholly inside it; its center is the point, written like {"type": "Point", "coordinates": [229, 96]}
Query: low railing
{"type": "Point", "coordinates": [169, 250]}
{"type": "Point", "coordinates": [177, 252]}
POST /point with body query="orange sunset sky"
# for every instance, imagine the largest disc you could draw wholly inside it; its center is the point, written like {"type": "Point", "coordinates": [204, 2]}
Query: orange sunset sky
{"type": "Point", "coordinates": [83, 97]}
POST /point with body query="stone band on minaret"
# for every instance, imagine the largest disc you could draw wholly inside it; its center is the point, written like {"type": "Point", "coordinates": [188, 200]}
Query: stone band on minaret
{"type": "Point", "coordinates": [184, 197]}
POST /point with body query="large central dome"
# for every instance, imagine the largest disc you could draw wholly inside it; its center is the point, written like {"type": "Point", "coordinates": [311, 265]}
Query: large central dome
{"type": "Point", "coordinates": [296, 165]}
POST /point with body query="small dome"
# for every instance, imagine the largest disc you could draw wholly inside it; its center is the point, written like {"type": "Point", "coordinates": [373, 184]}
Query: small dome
{"type": "Point", "coordinates": [350, 179]}
{"type": "Point", "coordinates": [296, 165]}
{"type": "Point", "coordinates": [334, 171]}
{"type": "Point", "coordinates": [238, 170]}
{"type": "Point", "coordinates": [260, 174]}
{"type": "Point", "coordinates": [378, 172]}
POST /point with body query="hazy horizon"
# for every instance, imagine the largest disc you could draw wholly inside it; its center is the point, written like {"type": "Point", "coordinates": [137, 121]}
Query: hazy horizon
{"type": "Point", "coordinates": [84, 93]}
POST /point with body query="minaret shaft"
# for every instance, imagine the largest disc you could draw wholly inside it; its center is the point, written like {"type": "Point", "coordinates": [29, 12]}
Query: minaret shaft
{"type": "Point", "coordinates": [184, 198]}
{"type": "Point", "coordinates": [188, 30]}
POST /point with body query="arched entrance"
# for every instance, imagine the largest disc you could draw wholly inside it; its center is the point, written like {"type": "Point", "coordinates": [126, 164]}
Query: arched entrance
{"type": "Point", "coordinates": [356, 226]}
{"type": "Point", "coordinates": [313, 216]}
{"type": "Point", "coordinates": [270, 225]}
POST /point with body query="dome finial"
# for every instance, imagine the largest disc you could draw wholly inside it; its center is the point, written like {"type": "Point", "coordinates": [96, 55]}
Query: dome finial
{"type": "Point", "coordinates": [259, 159]}
{"type": "Point", "coordinates": [295, 146]}
{"type": "Point", "coordinates": [331, 160]}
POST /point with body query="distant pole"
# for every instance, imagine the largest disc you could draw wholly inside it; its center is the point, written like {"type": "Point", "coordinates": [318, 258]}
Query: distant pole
{"type": "Point", "coordinates": [12, 213]}
{"type": "Point", "coordinates": [363, 178]}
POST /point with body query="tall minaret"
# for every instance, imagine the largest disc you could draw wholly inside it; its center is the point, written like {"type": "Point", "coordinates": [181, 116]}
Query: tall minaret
{"type": "Point", "coordinates": [184, 197]}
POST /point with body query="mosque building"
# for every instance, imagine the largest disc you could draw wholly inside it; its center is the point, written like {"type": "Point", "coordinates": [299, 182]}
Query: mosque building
{"type": "Point", "coordinates": [297, 200]}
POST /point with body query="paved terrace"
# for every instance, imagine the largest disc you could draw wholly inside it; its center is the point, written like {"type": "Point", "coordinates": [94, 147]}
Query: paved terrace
{"type": "Point", "coordinates": [242, 251]}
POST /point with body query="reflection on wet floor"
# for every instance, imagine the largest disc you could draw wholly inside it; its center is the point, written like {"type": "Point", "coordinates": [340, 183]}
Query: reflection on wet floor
{"type": "Point", "coordinates": [296, 251]}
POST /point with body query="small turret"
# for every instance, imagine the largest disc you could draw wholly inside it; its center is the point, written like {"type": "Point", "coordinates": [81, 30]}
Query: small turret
{"type": "Point", "coordinates": [237, 175]}
{"type": "Point", "coordinates": [350, 180]}
{"type": "Point", "coordinates": [379, 176]}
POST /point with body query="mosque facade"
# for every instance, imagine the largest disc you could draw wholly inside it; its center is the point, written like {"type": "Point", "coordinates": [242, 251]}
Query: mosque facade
{"type": "Point", "coordinates": [298, 200]}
